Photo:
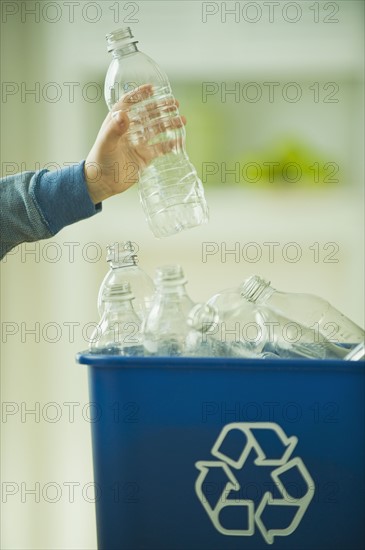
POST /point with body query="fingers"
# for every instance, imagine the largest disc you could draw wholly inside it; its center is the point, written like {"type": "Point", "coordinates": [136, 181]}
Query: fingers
{"type": "Point", "coordinates": [166, 147]}
{"type": "Point", "coordinates": [119, 117]}
{"type": "Point", "coordinates": [166, 124]}
{"type": "Point", "coordinates": [117, 126]}
{"type": "Point", "coordinates": [166, 106]}
{"type": "Point", "coordinates": [165, 109]}
{"type": "Point", "coordinates": [143, 93]}
{"type": "Point", "coordinates": [138, 94]}
{"type": "Point", "coordinates": [163, 147]}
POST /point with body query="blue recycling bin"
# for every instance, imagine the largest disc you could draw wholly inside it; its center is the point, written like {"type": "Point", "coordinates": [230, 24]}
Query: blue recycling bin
{"type": "Point", "coordinates": [223, 454]}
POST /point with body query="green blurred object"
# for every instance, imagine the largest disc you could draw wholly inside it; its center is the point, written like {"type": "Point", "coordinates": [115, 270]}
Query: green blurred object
{"type": "Point", "coordinates": [259, 144]}
{"type": "Point", "coordinates": [292, 163]}
{"type": "Point", "coordinates": [206, 124]}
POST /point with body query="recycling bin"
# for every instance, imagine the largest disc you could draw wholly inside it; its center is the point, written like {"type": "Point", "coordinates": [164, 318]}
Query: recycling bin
{"type": "Point", "coordinates": [221, 454]}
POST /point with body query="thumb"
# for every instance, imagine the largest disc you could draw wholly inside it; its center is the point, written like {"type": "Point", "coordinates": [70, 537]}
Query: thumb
{"type": "Point", "coordinates": [118, 125]}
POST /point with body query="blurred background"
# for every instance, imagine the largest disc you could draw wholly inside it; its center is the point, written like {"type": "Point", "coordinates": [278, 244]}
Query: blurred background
{"type": "Point", "coordinates": [266, 88]}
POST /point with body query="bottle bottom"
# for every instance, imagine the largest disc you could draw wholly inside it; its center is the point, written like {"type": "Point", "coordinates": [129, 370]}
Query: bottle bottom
{"type": "Point", "coordinates": [172, 195]}
{"type": "Point", "coordinates": [128, 351]}
{"type": "Point", "coordinates": [176, 218]}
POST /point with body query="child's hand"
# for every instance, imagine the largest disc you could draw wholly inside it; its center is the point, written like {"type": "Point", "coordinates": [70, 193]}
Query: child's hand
{"type": "Point", "coordinates": [114, 163]}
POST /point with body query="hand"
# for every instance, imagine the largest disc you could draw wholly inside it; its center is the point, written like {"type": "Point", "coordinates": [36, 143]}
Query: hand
{"type": "Point", "coordinates": [114, 162]}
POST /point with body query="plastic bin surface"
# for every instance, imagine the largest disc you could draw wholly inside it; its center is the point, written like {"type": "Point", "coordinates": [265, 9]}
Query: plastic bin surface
{"type": "Point", "coordinates": [221, 454]}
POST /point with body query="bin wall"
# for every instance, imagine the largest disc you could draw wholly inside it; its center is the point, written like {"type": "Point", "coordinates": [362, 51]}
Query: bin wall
{"type": "Point", "coordinates": [154, 420]}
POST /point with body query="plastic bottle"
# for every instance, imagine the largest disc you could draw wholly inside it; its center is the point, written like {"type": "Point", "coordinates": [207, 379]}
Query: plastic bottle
{"type": "Point", "coordinates": [119, 331]}
{"type": "Point", "coordinates": [165, 329]}
{"type": "Point", "coordinates": [250, 331]}
{"type": "Point", "coordinates": [357, 353]}
{"type": "Point", "coordinates": [123, 262]}
{"type": "Point", "coordinates": [199, 343]}
{"type": "Point", "coordinates": [290, 339]}
{"type": "Point", "coordinates": [170, 190]}
{"type": "Point", "coordinates": [307, 309]}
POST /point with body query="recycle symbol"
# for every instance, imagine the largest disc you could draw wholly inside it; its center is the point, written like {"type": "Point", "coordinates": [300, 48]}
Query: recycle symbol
{"type": "Point", "coordinates": [252, 433]}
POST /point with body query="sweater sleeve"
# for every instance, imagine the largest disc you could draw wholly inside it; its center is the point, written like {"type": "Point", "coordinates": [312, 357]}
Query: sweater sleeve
{"type": "Point", "coordinates": [37, 205]}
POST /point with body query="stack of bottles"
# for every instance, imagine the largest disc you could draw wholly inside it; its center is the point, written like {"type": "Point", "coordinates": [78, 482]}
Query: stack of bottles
{"type": "Point", "coordinates": [253, 320]}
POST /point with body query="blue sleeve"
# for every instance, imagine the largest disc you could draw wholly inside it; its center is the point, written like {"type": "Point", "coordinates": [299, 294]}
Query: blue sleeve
{"type": "Point", "coordinates": [37, 205]}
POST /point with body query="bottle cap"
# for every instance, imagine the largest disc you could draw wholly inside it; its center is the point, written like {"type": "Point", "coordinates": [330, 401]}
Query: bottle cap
{"type": "Point", "coordinates": [119, 38]}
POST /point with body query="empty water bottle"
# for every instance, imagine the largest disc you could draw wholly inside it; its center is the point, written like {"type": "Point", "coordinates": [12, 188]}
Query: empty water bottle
{"type": "Point", "coordinates": [307, 309]}
{"type": "Point", "coordinates": [288, 338]}
{"type": "Point", "coordinates": [124, 268]}
{"type": "Point", "coordinates": [249, 330]}
{"type": "Point", "coordinates": [165, 329]}
{"type": "Point", "coordinates": [170, 190]}
{"type": "Point", "coordinates": [357, 353]}
{"type": "Point", "coordinates": [119, 331]}
{"type": "Point", "coordinates": [203, 319]}
{"type": "Point", "coordinates": [219, 329]}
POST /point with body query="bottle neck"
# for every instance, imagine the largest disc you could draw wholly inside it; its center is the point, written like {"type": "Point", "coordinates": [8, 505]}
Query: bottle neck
{"type": "Point", "coordinates": [170, 280]}
{"type": "Point", "coordinates": [124, 50]}
{"type": "Point", "coordinates": [119, 308]}
{"type": "Point", "coordinates": [172, 291]}
{"type": "Point", "coordinates": [121, 255]}
{"type": "Point", "coordinates": [121, 42]}
{"type": "Point", "coordinates": [256, 290]}
{"type": "Point", "coordinates": [128, 261]}
{"type": "Point", "coordinates": [118, 300]}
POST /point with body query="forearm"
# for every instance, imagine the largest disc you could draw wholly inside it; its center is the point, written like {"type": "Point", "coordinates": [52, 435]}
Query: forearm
{"type": "Point", "coordinates": [37, 205]}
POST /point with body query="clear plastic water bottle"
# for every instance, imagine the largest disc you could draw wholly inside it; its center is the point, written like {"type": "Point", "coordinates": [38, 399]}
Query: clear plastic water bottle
{"type": "Point", "coordinates": [357, 353]}
{"type": "Point", "coordinates": [170, 190]}
{"type": "Point", "coordinates": [119, 331]}
{"type": "Point", "coordinates": [307, 309]}
{"type": "Point", "coordinates": [268, 355]}
{"type": "Point", "coordinates": [165, 329]}
{"type": "Point", "coordinates": [290, 339]}
{"type": "Point", "coordinates": [250, 330]}
{"type": "Point", "coordinates": [123, 262]}
{"type": "Point", "coordinates": [202, 319]}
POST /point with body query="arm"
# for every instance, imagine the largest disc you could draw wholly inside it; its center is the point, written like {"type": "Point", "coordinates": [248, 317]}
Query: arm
{"type": "Point", "coordinates": [37, 205]}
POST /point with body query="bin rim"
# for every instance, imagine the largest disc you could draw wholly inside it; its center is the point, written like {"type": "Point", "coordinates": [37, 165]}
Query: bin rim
{"type": "Point", "coordinates": [166, 362]}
